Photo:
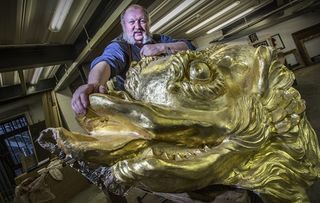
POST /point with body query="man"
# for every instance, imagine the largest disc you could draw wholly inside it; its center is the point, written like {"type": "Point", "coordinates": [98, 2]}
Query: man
{"type": "Point", "coordinates": [135, 42]}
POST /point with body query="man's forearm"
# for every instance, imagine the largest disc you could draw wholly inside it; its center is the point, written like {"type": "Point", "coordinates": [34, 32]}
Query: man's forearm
{"type": "Point", "coordinates": [99, 74]}
{"type": "Point", "coordinates": [176, 46]}
{"type": "Point", "coordinates": [163, 48]}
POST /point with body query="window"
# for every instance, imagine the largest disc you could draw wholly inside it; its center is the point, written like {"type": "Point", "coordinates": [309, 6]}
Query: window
{"type": "Point", "coordinates": [18, 142]}
{"type": "Point", "coordinates": [17, 153]}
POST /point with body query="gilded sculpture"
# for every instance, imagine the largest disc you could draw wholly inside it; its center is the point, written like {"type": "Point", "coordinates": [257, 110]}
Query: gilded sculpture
{"type": "Point", "coordinates": [225, 115]}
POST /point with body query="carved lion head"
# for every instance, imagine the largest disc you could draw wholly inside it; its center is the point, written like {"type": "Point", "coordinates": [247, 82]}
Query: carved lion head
{"type": "Point", "coordinates": [225, 115]}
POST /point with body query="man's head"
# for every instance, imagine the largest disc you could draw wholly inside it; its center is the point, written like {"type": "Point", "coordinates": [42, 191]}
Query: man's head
{"type": "Point", "coordinates": [135, 25]}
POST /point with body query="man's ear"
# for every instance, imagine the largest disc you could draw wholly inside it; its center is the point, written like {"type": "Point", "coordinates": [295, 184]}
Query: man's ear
{"type": "Point", "coordinates": [262, 63]}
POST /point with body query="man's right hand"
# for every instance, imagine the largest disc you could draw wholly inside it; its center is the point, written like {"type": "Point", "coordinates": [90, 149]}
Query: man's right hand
{"type": "Point", "coordinates": [80, 98]}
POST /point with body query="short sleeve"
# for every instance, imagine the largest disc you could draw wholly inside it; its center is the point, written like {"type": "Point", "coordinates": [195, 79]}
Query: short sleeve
{"type": "Point", "coordinates": [116, 55]}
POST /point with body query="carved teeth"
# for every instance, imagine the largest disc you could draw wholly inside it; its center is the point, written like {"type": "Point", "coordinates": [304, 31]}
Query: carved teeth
{"type": "Point", "coordinates": [177, 157]}
{"type": "Point", "coordinates": [197, 152]}
{"type": "Point", "coordinates": [147, 153]}
{"type": "Point", "coordinates": [165, 155]}
{"type": "Point", "coordinates": [188, 154]}
{"type": "Point", "coordinates": [157, 152]}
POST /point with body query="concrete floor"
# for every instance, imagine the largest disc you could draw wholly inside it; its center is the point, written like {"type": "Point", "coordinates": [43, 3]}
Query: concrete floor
{"type": "Point", "coordinates": [94, 195]}
{"type": "Point", "coordinates": [308, 80]}
{"type": "Point", "coordinates": [90, 195]}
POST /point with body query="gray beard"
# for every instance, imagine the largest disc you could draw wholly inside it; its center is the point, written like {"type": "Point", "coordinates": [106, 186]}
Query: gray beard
{"type": "Point", "coordinates": [147, 38]}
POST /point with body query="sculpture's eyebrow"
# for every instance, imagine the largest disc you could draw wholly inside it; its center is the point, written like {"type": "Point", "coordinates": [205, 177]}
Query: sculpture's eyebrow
{"type": "Point", "coordinates": [176, 63]}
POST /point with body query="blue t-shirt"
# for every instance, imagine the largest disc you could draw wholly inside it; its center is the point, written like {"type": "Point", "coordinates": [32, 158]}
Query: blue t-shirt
{"type": "Point", "coordinates": [117, 55]}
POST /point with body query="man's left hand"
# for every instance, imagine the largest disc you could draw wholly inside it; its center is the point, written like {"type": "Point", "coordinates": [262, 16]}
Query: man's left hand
{"type": "Point", "coordinates": [153, 50]}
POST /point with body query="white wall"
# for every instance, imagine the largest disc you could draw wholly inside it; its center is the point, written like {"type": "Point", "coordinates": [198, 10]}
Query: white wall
{"type": "Point", "coordinates": [64, 101]}
{"type": "Point", "coordinates": [311, 48]}
{"type": "Point", "coordinates": [31, 106]}
{"type": "Point", "coordinates": [285, 29]}
{"type": "Point", "coordinates": [203, 41]}
{"type": "Point", "coordinates": [35, 110]}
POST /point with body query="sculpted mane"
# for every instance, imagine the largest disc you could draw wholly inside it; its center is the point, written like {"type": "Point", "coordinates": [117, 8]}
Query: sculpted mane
{"type": "Point", "coordinates": [225, 115]}
{"type": "Point", "coordinates": [273, 122]}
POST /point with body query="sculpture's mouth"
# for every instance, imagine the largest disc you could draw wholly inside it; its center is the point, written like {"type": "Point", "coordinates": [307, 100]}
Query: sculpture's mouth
{"type": "Point", "coordinates": [170, 152]}
{"type": "Point", "coordinates": [125, 128]}
{"type": "Point", "coordinates": [115, 132]}
{"type": "Point", "coordinates": [147, 144]}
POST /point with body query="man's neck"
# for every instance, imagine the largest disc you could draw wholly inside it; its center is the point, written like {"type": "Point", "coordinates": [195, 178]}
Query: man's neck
{"type": "Point", "coordinates": [139, 44]}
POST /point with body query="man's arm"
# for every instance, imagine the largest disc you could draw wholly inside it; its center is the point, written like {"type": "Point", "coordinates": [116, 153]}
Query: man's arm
{"type": "Point", "coordinates": [163, 48]}
{"type": "Point", "coordinates": [98, 76]}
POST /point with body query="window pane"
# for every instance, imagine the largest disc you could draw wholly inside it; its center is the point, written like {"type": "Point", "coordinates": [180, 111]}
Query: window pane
{"type": "Point", "coordinates": [1, 130]}
{"type": "Point", "coordinates": [24, 121]}
{"type": "Point", "coordinates": [13, 149]}
{"type": "Point", "coordinates": [7, 127]}
{"type": "Point", "coordinates": [19, 144]}
{"type": "Point", "coordinates": [25, 143]}
{"type": "Point", "coordinates": [19, 123]}
{"type": "Point", "coordinates": [15, 124]}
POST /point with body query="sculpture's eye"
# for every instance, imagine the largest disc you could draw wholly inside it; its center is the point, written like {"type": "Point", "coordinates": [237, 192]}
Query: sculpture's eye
{"type": "Point", "coordinates": [199, 71]}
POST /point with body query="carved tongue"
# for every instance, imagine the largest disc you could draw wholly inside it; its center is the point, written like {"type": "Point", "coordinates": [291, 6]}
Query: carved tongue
{"type": "Point", "coordinates": [113, 131]}
{"type": "Point", "coordinates": [115, 135]}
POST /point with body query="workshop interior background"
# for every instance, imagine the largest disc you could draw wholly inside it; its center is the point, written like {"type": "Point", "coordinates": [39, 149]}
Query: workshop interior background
{"type": "Point", "coordinates": [42, 63]}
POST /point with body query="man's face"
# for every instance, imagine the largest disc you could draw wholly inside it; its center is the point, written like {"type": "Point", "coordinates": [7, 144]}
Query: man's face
{"type": "Point", "coordinates": [135, 26]}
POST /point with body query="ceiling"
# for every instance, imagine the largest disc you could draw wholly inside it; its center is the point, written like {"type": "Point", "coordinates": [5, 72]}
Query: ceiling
{"type": "Point", "coordinates": [28, 48]}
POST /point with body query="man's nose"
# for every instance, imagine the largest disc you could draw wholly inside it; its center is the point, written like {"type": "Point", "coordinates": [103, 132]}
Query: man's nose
{"type": "Point", "coordinates": [137, 24]}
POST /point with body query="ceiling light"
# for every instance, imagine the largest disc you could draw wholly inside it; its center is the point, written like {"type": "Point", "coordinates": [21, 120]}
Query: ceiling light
{"type": "Point", "coordinates": [214, 16]}
{"type": "Point", "coordinates": [36, 75]}
{"type": "Point", "coordinates": [1, 80]}
{"type": "Point", "coordinates": [53, 71]}
{"type": "Point", "coordinates": [172, 14]}
{"type": "Point", "coordinates": [16, 78]}
{"type": "Point", "coordinates": [231, 20]}
{"type": "Point", "coordinates": [60, 15]}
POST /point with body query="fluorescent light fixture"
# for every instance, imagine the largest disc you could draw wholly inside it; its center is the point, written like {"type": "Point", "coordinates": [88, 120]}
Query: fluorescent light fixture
{"type": "Point", "coordinates": [60, 15]}
{"type": "Point", "coordinates": [16, 78]}
{"type": "Point", "coordinates": [1, 80]}
{"type": "Point", "coordinates": [36, 75]}
{"type": "Point", "coordinates": [228, 8]}
{"type": "Point", "coordinates": [172, 14]}
{"type": "Point", "coordinates": [52, 71]}
{"type": "Point", "coordinates": [231, 20]}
